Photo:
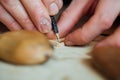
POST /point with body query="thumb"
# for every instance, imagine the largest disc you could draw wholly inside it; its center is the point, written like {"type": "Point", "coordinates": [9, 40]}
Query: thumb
{"type": "Point", "coordinates": [72, 14]}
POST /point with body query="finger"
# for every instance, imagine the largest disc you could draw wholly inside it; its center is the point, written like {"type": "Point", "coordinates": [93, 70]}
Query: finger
{"type": "Point", "coordinates": [102, 20]}
{"type": "Point", "coordinates": [51, 35]}
{"type": "Point", "coordinates": [15, 8]}
{"type": "Point", "coordinates": [53, 6]}
{"type": "Point", "coordinates": [113, 40]}
{"type": "Point", "coordinates": [38, 14]}
{"type": "Point", "coordinates": [8, 20]}
{"type": "Point", "coordinates": [72, 14]}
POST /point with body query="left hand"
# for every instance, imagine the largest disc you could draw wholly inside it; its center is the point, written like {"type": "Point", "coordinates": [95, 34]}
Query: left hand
{"type": "Point", "coordinates": [28, 14]}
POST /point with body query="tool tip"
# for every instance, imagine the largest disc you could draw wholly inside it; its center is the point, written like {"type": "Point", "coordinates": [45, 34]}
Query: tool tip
{"type": "Point", "coordinates": [58, 37]}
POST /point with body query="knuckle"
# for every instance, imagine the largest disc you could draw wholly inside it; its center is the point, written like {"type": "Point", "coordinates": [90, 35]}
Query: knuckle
{"type": "Point", "coordinates": [106, 22]}
{"type": "Point", "coordinates": [66, 13]}
{"type": "Point", "coordinates": [38, 11]}
{"type": "Point", "coordinates": [12, 24]}
{"type": "Point", "coordinates": [27, 24]}
{"type": "Point", "coordinates": [26, 21]}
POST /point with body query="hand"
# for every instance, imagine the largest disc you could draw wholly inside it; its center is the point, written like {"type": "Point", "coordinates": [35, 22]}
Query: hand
{"type": "Point", "coordinates": [105, 13]}
{"type": "Point", "coordinates": [28, 14]}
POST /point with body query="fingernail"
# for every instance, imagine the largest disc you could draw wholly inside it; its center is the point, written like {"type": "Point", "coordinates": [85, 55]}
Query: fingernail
{"type": "Point", "coordinates": [69, 43]}
{"type": "Point", "coordinates": [45, 25]}
{"type": "Point", "coordinates": [53, 8]}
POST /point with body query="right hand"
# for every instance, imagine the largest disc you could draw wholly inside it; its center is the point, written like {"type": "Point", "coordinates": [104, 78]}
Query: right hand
{"type": "Point", "coordinates": [28, 14]}
{"type": "Point", "coordinates": [104, 14]}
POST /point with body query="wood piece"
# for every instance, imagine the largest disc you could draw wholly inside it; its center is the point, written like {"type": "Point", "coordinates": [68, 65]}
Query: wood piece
{"type": "Point", "coordinates": [24, 47]}
{"type": "Point", "coordinates": [107, 59]}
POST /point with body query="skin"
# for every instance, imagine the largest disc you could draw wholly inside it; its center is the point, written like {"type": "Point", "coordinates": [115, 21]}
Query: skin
{"type": "Point", "coordinates": [106, 53]}
{"type": "Point", "coordinates": [28, 14]}
{"type": "Point", "coordinates": [25, 47]}
{"type": "Point", "coordinates": [17, 15]}
{"type": "Point", "coordinates": [104, 13]}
